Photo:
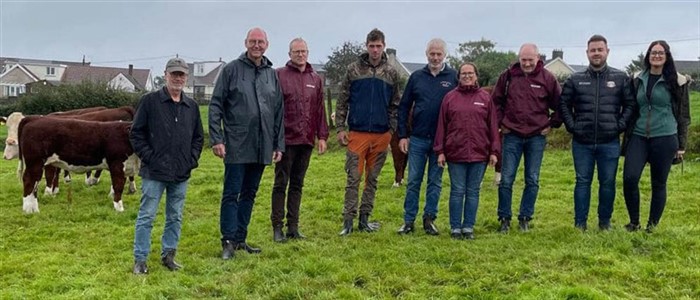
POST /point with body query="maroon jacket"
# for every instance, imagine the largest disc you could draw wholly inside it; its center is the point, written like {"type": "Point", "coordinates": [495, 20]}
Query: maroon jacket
{"type": "Point", "coordinates": [531, 102]}
{"type": "Point", "coordinates": [467, 128]}
{"type": "Point", "coordinates": [304, 114]}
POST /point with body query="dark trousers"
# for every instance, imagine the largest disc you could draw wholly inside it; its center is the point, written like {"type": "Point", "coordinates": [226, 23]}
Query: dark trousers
{"type": "Point", "coordinates": [659, 153]}
{"type": "Point", "coordinates": [289, 171]}
{"type": "Point", "coordinates": [241, 182]}
{"type": "Point", "coordinates": [400, 159]}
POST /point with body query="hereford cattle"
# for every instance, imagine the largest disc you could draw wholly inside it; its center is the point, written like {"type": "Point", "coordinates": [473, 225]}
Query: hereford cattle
{"type": "Point", "coordinates": [76, 146]}
{"type": "Point", "coordinates": [101, 114]}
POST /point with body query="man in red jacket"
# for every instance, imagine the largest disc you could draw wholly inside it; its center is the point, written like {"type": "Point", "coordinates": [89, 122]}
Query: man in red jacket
{"type": "Point", "coordinates": [526, 98]}
{"type": "Point", "coordinates": [304, 122]}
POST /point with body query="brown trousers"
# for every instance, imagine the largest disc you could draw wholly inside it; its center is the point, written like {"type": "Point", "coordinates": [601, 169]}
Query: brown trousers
{"type": "Point", "coordinates": [366, 152]}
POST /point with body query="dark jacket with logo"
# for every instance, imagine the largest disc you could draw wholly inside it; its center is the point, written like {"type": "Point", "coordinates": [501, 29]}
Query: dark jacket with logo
{"type": "Point", "coordinates": [304, 114]}
{"type": "Point", "coordinates": [248, 101]}
{"type": "Point", "coordinates": [424, 93]}
{"type": "Point", "coordinates": [527, 103]}
{"type": "Point", "coordinates": [596, 106]}
{"type": "Point", "coordinates": [167, 136]}
{"type": "Point", "coordinates": [467, 127]}
{"type": "Point", "coordinates": [369, 97]}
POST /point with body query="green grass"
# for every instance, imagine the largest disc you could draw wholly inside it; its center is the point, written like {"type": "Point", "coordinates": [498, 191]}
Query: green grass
{"type": "Point", "coordinates": [79, 247]}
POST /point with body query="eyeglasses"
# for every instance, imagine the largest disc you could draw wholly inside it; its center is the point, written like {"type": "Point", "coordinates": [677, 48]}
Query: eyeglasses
{"type": "Point", "coordinates": [658, 53]}
{"type": "Point", "coordinates": [302, 52]}
{"type": "Point", "coordinates": [467, 74]}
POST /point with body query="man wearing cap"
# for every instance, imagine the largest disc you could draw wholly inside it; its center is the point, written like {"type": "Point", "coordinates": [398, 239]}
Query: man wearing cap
{"type": "Point", "coordinates": [247, 101]}
{"type": "Point", "coordinates": [167, 136]}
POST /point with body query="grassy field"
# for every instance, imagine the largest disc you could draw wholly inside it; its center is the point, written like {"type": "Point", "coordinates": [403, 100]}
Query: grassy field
{"type": "Point", "coordinates": [79, 247]}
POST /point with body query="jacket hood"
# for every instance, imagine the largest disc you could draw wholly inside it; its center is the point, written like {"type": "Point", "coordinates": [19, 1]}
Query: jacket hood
{"type": "Point", "coordinates": [468, 89]}
{"type": "Point", "coordinates": [265, 63]}
{"type": "Point", "coordinates": [364, 57]}
{"type": "Point", "coordinates": [515, 69]}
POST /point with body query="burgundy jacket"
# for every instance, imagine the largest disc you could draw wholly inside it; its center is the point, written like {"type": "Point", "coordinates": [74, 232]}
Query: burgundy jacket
{"type": "Point", "coordinates": [304, 113]}
{"type": "Point", "coordinates": [467, 128]}
{"type": "Point", "coordinates": [532, 100]}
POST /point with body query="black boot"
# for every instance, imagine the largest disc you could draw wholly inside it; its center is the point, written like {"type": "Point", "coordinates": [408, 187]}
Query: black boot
{"type": "Point", "coordinates": [140, 268]}
{"type": "Point", "coordinates": [524, 224]}
{"type": "Point", "coordinates": [229, 248]}
{"type": "Point", "coordinates": [365, 226]}
{"type": "Point", "coordinates": [406, 228]}
{"type": "Point", "coordinates": [277, 235]}
{"type": "Point", "coordinates": [247, 248]}
{"type": "Point", "coordinates": [293, 233]}
{"type": "Point", "coordinates": [347, 227]}
{"type": "Point", "coordinates": [169, 261]}
{"type": "Point", "coordinates": [505, 225]}
{"type": "Point", "coordinates": [429, 226]}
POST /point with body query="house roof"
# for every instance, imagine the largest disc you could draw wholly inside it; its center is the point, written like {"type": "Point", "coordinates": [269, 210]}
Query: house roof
{"type": "Point", "coordinates": [319, 67]}
{"type": "Point", "coordinates": [31, 61]}
{"type": "Point", "coordinates": [687, 66]}
{"type": "Point", "coordinates": [412, 67]}
{"type": "Point", "coordinates": [76, 74]}
{"type": "Point", "coordinates": [19, 68]}
{"type": "Point", "coordinates": [209, 78]}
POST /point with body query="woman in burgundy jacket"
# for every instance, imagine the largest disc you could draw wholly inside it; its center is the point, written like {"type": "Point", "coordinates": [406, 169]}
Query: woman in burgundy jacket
{"type": "Point", "coordinates": [467, 139]}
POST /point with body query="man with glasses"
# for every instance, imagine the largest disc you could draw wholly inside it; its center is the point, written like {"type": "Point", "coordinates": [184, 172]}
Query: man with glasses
{"type": "Point", "coordinates": [247, 101]}
{"type": "Point", "coordinates": [368, 104]}
{"type": "Point", "coordinates": [423, 93]}
{"type": "Point", "coordinates": [304, 122]}
{"type": "Point", "coordinates": [526, 96]}
{"type": "Point", "coordinates": [596, 106]}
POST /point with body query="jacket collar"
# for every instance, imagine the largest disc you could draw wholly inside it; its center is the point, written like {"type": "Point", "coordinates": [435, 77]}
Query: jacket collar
{"type": "Point", "coordinates": [515, 69]}
{"type": "Point", "coordinates": [364, 58]}
{"type": "Point", "coordinates": [443, 71]}
{"type": "Point", "coordinates": [265, 63]}
{"type": "Point", "coordinates": [604, 69]}
{"type": "Point", "coordinates": [682, 79]}
{"type": "Point", "coordinates": [292, 67]}
{"type": "Point", "coordinates": [164, 96]}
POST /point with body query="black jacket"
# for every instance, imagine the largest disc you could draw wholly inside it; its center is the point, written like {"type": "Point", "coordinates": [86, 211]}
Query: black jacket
{"type": "Point", "coordinates": [167, 136]}
{"type": "Point", "coordinates": [596, 106]}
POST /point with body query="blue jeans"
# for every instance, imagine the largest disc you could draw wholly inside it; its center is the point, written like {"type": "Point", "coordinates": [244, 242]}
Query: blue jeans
{"type": "Point", "coordinates": [586, 157]}
{"type": "Point", "coordinates": [420, 151]}
{"type": "Point", "coordinates": [515, 147]}
{"type": "Point", "coordinates": [241, 182]}
{"type": "Point", "coordinates": [151, 192]}
{"type": "Point", "coordinates": [465, 184]}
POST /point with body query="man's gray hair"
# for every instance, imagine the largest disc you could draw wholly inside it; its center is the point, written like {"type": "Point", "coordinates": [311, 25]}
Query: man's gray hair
{"type": "Point", "coordinates": [437, 42]}
{"type": "Point", "coordinates": [298, 39]}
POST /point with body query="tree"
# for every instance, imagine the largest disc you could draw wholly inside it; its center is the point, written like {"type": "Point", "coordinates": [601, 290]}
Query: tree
{"type": "Point", "coordinates": [489, 61]}
{"type": "Point", "coordinates": [158, 82]}
{"type": "Point", "coordinates": [636, 65]}
{"type": "Point", "coordinates": [340, 59]}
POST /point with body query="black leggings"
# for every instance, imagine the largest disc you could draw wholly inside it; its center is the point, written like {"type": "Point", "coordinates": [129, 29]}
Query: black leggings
{"type": "Point", "coordinates": [659, 153]}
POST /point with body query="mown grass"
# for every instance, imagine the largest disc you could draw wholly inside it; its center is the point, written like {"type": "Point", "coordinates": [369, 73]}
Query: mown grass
{"type": "Point", "coordinates": [79, 247]}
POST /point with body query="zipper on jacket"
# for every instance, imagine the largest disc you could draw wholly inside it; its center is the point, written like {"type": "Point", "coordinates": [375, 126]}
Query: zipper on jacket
{"type": "Point", "coordinates": [597, 103]}
{"type": "Point", "coordinates": [649, 107]}
{"type": "Point", "coordinates": [371, 103]}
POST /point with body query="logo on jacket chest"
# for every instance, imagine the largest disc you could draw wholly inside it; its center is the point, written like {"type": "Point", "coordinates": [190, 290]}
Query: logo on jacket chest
{"type": "Point", "coordinates": [584, 83]}
{"type": "Point", "coordinates": [610, 84]}
{"type": "Point", "coordinates": [445, 84]}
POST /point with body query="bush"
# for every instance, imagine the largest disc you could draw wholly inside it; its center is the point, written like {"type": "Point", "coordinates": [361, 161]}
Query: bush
{"type": "Point", "coordinates": [67, 97]}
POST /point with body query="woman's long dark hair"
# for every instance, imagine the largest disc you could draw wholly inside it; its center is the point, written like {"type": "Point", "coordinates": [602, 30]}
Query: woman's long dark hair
{"type": "Point", "coordinates": [669, 69]}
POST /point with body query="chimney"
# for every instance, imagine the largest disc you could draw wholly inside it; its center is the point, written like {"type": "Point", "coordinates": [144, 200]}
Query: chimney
{"type": "Point", "coordinates": [131, 70]}
{"type": "Point", "coordinates": [558, 53]}
{"type": "Point", "coordinates": [219, 58]}
{"type": "Point", "coordinates": [83, 59]}
{"type": "Point", "coordinates": [543, 57]}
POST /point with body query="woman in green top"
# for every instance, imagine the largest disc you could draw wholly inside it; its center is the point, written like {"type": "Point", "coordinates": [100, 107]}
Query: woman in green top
{"type": "Point", "coordinates": [657, 133]}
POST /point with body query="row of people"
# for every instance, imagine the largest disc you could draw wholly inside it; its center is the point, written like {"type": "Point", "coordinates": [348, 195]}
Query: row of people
{"type": "Point", "coordinates": [259, 115]}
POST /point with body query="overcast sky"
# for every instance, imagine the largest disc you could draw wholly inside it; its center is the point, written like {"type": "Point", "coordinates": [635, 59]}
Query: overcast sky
{"type": "Point", "coordinates": [146, 33]}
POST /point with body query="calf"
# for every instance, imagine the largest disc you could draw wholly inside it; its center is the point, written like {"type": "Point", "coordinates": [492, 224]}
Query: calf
{"type": "Point", "coordinates": [73, 145]}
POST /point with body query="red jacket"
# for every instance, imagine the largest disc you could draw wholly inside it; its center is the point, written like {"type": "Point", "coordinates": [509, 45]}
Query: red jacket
{"type": "Point", "coordinates": [467, 129]}
{"type": "Point", "coordinates": [304, 113]}
{"type": "Point", "coordinates": [532, 100]}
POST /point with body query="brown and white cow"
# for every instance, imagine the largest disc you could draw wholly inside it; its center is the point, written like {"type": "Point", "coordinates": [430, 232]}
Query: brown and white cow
{"type": "Point", "coordinates": [76, 146]}
{"type": "Point", "coordinates": [101, 114]}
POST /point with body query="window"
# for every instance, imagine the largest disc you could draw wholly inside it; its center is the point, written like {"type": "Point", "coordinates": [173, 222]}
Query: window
{"type": "Point", "coordinates": [50, 71]}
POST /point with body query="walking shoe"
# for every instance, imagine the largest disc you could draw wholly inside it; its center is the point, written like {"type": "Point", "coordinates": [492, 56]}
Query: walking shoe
{"type": "Point", "coordinates": [277, 235]}
{"type": "Point", "coordinates": [228, 249]}
{"type": "Point", "coordinates": [293, 233]}
{"type": "Point", "coordinates": [169, 261]}
{"type": "Point", "coordinates": [406, 228]}
{"type": "Point", "coordinates": [505, 225]}
{"type": "Point", "coordinates": [365, 226]}
{"type": "Point", "coordinates": [604, 226]}
{"type": "Point", "coordinates": [247, 248]}
{"type": "Point", "coordinates": [140, 268]}
{"type": "Point", "coordinates": [456, 234]}
{"type": "Point", "coordinates": [429, 226]}
{"type": "Point", "coordinates": [468, 233]}
{"type": "Point", "coordinates": [347, 227]}
{"type": "Point", "coordinates": [524, 224]}
{"type": "Point", "coordinates": [581, 226]}
{"type": "Point", "coordinates": [650, 227]}
{"type": "Point", "coordinates": [632, 227]}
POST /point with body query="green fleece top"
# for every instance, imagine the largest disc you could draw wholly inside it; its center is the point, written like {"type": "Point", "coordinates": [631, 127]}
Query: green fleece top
{"type": "Point", "coordinates": [656, 115]}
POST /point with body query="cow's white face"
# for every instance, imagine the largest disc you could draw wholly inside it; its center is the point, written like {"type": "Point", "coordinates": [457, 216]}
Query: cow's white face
{"type": "Point", "coordinates": [11, 144]}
